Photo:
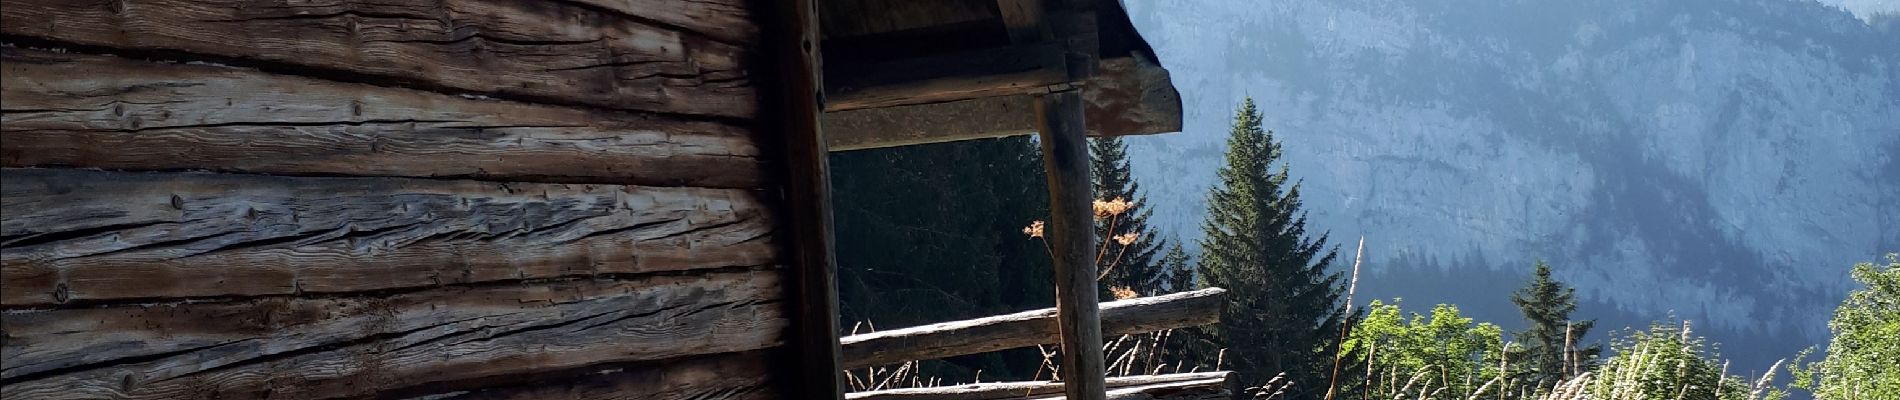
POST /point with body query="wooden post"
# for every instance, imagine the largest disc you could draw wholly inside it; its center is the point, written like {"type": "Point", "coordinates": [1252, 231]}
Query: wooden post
{"type": "Point", "coordinates": [1065, 156]}
{"type": "Point", "coordinates": [814, 288]}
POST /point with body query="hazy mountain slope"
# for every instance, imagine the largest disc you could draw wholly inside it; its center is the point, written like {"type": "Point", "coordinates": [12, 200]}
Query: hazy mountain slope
{"type": "Point", "coordinates": [1721, 160]}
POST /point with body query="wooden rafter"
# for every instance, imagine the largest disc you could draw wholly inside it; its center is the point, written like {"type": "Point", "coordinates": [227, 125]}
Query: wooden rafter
{"type": "Point", "coordinates": [1016, 69]}
{"type": "Point", "coordinates": [1131, 96]}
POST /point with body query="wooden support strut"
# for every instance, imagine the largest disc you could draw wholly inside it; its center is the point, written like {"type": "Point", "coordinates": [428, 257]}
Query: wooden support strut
{"type": "Point", "coordinates": [1060, 120]}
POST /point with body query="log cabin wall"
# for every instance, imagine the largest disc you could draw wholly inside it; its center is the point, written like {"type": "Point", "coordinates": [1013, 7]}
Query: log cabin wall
{"type": "Point", "coordinates": [390, 199]}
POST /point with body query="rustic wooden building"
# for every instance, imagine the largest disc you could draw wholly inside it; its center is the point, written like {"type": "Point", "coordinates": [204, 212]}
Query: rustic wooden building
{"type": "Point", "coordinates": [492, 198]}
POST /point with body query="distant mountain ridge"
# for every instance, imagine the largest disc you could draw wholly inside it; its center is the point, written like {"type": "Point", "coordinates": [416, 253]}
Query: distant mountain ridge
{"type": "Point", "coordinates": [1722, 161]}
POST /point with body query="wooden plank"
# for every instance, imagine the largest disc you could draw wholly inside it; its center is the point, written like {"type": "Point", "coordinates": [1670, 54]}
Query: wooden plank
{"type": "Point", "coordinates": [979, 118]}
{"type": "Point", "coordinates": [1024, 19]}
{"type": "Point", "coordinates": [135, 115]}
{"type": "Point", "coordinates": [92, 237]}
{"type": "Point", "coordinates": [1065, 157]}
{"type": "Point", "coordinates": [1016, 69]}
{"type": "Point", "coordinates": [1210, 389]}
{"type": "Point", "coordinates": [919, 42]}
{"type": "Point", "coordinates": [737, 376]}
{"type": "Point", "coordinates": [1131, 96]}
{"type": "Point", "coordinates": [1017, 390]}
{"type": "Point", "coordinates": [67, 338]}
{"type": "Point", "coordinates": [845, 18]}
{"type": "Point", "coordinates": [724, 20]}
{"type": "Point", "coordinates": [1028, 328]}
{"type": "Point", "coordinates": [431, 341]}
{"type": "Point", "coordinates": [813, 370]}
{"type": "Point", "coordinates": [535, 50]}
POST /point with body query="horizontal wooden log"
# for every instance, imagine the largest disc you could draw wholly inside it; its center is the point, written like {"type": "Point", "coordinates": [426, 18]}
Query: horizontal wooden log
{"type": "Point", "coordinates": [136, 115]}
{"type": "Point", "coordinates": [725, 20]}
{"type": "Point", "coordinates": [1028, 328]}
{"type": "Point", "coordinates": [979, 118]}
{"type": "Point", "coordinates": [114, 237]}
{"type": "Point", "coordinates": [845, 18]}
{"type": "Point", "coordinates": [538, 50]}
{"type": "Point", "coordinates": [1131, 96]}
{"type": "Point", "coordinates": [444, 339]}
{"type": "Point", "coordinates": [947, 77]}
{"type": "Point", "coordinates": [739, 376]}
{"type": "Point", "coordinates": [1211, 389]}
{"type": "Point", "coordinates": [1017, 390]}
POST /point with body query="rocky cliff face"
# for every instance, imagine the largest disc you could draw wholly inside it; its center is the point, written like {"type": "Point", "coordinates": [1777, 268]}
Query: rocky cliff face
{"type": "Point", "coordinates": [1722, 161]}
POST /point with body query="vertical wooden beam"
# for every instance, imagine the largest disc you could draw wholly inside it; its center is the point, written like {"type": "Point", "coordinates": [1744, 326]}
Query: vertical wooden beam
{"type": "Point", "coordinates": [1065, 156]}
{"type": "Point", "coordinates": [813, 367]}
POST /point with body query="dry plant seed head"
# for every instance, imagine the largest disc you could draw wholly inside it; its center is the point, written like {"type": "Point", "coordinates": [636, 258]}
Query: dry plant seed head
{"type": "Point", "coordinates": [1127, 238]}
{"type": "Point", "coordinates": [1034, 229]}
{"type": "Point", "coordinates": [1123, 293]}
{"type": "Point", "coordinates": [1109, 208]}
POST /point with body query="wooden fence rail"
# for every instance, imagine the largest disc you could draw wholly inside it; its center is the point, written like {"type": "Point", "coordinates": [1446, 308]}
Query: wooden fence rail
{"type": "Point", "coordinates": [1168, 386]}
{"type": "Point", "coordinates": [1028, 328]}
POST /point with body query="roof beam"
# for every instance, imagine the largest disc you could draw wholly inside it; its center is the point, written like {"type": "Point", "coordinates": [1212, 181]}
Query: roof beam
{"type": "Point", "coordinates": [1015, 69]}
{"type": "Point", "coordinates": [1129, 96]}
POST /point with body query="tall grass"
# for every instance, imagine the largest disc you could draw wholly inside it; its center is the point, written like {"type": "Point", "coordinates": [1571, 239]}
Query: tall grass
{"type": "Point", "coordinates": [1665, 362]}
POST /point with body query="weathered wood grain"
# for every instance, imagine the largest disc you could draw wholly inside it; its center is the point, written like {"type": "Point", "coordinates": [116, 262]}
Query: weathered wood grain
{"type": "Point", "coordinates": [739, 376]}
{"type": "Point", "coordinates": [443, 339]}
{"type": "Point", "coordinates": [726, 20]}
{"type": "Point", "coordinates": [794, 47]}
{"type": "Point", "coordinates": [137, 115]}
{"type": "Point", "coordinates": [1028, 328]}
{"type": "Point", "coordinates": [844, 18]}
{"type": "Point", "coordinates": [979, 118]}
{"type": "Point", "coordinates": [1017, 390]}
{"type": "Point", "coordinates": [1209, 389]}
{"type": "Point", "coordinates": [1065, 160]}
{"type": "Point", "coordinates": [94, 236]}
{"type": "Point", "coordinates": [1130, 96]}
{"type": "Point", "coordinates": [536, 50]}
{"type": "Point", "coordinates": [1016, 69]}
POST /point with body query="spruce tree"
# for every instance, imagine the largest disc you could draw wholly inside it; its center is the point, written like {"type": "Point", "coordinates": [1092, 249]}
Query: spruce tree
{"type": "Point", "coordinates": [1283, 310]}
{"type": "Point", "coordinates": [1133, 265]}
{"type": "Point", "coordinates": [1174, 266]}
{"type": "Point", "coordinates": [1190, 347]}
{"type": "Point", "coordinates": [1550, 342]}
{"type": "Point", "coordinates": [932, 233]}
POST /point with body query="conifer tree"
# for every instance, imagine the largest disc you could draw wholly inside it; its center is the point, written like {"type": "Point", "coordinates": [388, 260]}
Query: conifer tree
{"type": "Point", "coordinates": [1551, 342]}
{"type": "Point", "coordinates": [1174, 266]}
{"type": "Point", "coordinates": [1132, 265]}
{"type": "Point", "coordinates": [1191, 347]}
{"type": "Point", "coordinates": [1283, 310]}
{"type": "Point", "coordinates": [955, 210]}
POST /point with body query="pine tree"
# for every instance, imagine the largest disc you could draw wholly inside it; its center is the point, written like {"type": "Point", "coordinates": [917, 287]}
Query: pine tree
{"type": "Point", "coordinates": [1174, 266]}
{"type": "Point", "coordinates": [956, 211]}
{"type": "Point", "coordinates": [1550, 343]}
{"type": "Point", "coordinates": [1133, 265]}
{"type": "Point", "coordinates": [1283, 310]}
{"type": "Point", "coordinates": [1190, 347]}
